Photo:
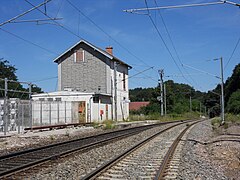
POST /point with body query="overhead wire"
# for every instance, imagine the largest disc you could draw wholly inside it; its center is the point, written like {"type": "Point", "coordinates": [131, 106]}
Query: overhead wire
{"type": "Point", "coordinates": [60, 6]}
{"type": "Point", "coordinates": [45, 79]}
{"type": "Point", "coordinates": [232, 53]}
{"type": "Point", "coordinates": [29, 42]}
{"type": "Point", "coordinates": [70, 31]}
{"type": "Point", "coordinates": [165, 44]}
{"type": "Point", "coordinates": [141, 72]}
{"type": "Point", "coordinates": [24, 13]}
{"type": "Point", "coordinates": [107, 34]}
{"type": "Point", "coordinates": [174, 47]}
{"type": "Point", "coordinates": [57, 23]}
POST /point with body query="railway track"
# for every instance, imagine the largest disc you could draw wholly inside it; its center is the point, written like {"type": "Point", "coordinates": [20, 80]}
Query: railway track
{"type": "Point", "coordinates": [150, 159]}
{"type": "Point", "coordinates": [17, 162]}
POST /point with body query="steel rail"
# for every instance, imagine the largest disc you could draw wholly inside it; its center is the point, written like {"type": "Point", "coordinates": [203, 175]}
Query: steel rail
{"type": "Point", "coordinates": [16, 162]}
{"type": "Point", "coordinates": [169, 154]}
{"type": "Point", "coordinates": [118, 158]}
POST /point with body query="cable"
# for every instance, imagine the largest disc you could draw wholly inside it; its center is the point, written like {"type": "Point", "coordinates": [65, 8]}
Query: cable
{"type": "Point", "coordinates": [232, 53]}
{"type": "Point", "coordinates": [174, 47]}
{"type": "Point", "coordinates": [180, 6]}
{"type": "Point", "coordinates": [101, 29]}
{"type": "Point", "coordinates": [136, 75]}
{"type": "Point", "coordinates": [147, 76]}
{"type": "Point", "coordinates": [70, 31]}
{"type": "Point", "coordinates": [60, 6]}
{"type": "Point", "coordinates": [45, 79]}
{"type": "Point", "coordinates": [29, 42]}
{"type": "Point", "coordinates": [89, 20]}
{"type": "Point", "coordinates": [24, 13]}
{"type": "Point", "coordinates": [159, 34]}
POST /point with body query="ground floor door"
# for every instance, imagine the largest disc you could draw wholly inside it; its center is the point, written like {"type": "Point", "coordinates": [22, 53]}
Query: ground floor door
{"type": "Point", "coordinates": [82, 112]}
{"type": "Point", "coordinates": [106, 111]}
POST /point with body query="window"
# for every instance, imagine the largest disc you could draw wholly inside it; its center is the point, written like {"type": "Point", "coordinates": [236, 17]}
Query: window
{"type": "Point", "coordinates": [79, 56]}
{"type": "Point", "coordinates": [50, 99]}
{"type": "Point", "coordinates": [58, 99]}
{"type": "Point", "coordinates": [95, 99]}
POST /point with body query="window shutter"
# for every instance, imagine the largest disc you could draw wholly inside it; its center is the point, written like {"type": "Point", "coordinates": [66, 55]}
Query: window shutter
{"type": "Point", "coordinates": [79, 56]}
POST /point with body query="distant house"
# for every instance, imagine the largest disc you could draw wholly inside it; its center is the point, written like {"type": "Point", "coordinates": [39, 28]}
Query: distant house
{"type": "Point", "coordinates": [85, 68]}
{"type": "Point", "coordinates": [134, 106]}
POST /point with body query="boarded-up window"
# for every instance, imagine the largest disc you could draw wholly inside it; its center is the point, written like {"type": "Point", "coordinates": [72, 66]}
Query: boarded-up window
{"type": "Point", "coordinates": [79, 56]}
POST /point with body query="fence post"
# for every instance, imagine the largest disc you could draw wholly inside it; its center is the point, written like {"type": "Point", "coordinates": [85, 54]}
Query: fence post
{"type": "Point", "coordinates": [17, 116]}
{"type": "Point", "coordinates": [5, 107]}
{"type": "Point", "coordinates": [22, 114]}
{"type": "Point", "coordinates": [65, 111]}
{"type": "Point", "coordinates": [30, 105]}
{"type": "Point", "coordinates": [41, 113]}
{"type": "Point", "coordinates": [71, 112]}
{"type": "Point", "coordinates": [50, 118]}
{"type": "Point", "coordinates": [58, 112]}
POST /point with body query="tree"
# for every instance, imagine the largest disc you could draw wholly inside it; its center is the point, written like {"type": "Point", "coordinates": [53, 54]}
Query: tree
{"type": "Point", "coordinates": [178, 96]}
{"type": "Point", "coordinates": [234, 103]}
{"type": "Point", "coordinates": [232, 84]}
{"type": "Point", "coordinates": [9, 71]}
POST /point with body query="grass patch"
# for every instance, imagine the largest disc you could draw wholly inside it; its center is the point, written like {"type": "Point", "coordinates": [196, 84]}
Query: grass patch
{"type": "Point", "coordinates": [229, 120]}
{"type": "Point", "coordinates": [169, 117]}
{"type": "Point", "coordinates": [96, 124]}
{"type": "Point", "coordinates": [108, 124]}
{"type": "Point", "coordinates": [232, 118]}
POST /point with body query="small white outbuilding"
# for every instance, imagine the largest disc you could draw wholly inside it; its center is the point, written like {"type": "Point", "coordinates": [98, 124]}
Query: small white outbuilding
{"type": "Point", "coordinates": [71, 107]}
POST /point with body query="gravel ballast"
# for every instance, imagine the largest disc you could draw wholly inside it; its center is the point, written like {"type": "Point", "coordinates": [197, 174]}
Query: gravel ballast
{"type": "Point", "coordinates": [79, 164]}
{"type": "Point", "coordinates": [203, 155]}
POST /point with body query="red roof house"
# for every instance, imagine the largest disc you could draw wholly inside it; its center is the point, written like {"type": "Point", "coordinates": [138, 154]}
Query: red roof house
{"type": "Point", "coordinates": [137, 105]}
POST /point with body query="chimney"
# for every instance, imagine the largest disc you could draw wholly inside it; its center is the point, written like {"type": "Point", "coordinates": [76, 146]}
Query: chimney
{"type": "Point", "coordinates": [109, 49]}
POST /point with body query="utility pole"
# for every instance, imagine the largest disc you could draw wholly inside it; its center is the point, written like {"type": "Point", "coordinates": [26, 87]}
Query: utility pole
{"type": "Point", "coordinates": [222, 90]}
{"type": "Point", "coordinates": [222, 93]}
{"type": "Point", "coordinates": [161, 73]}
{"type": "Point", "coordinates": [190, 102]}
{"type": "Point", "coordinates": [5, 106]}
{"type": "Point", "coordinates": [165, 99]}
{"type": "Point", "coordinates": [200, 109]}
{"type": "Point", "coordinates": [115, 90]}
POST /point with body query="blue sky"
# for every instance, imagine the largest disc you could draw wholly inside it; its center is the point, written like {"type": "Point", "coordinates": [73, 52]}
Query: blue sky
{"type": "Point", "coordinates": [199, 34]}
